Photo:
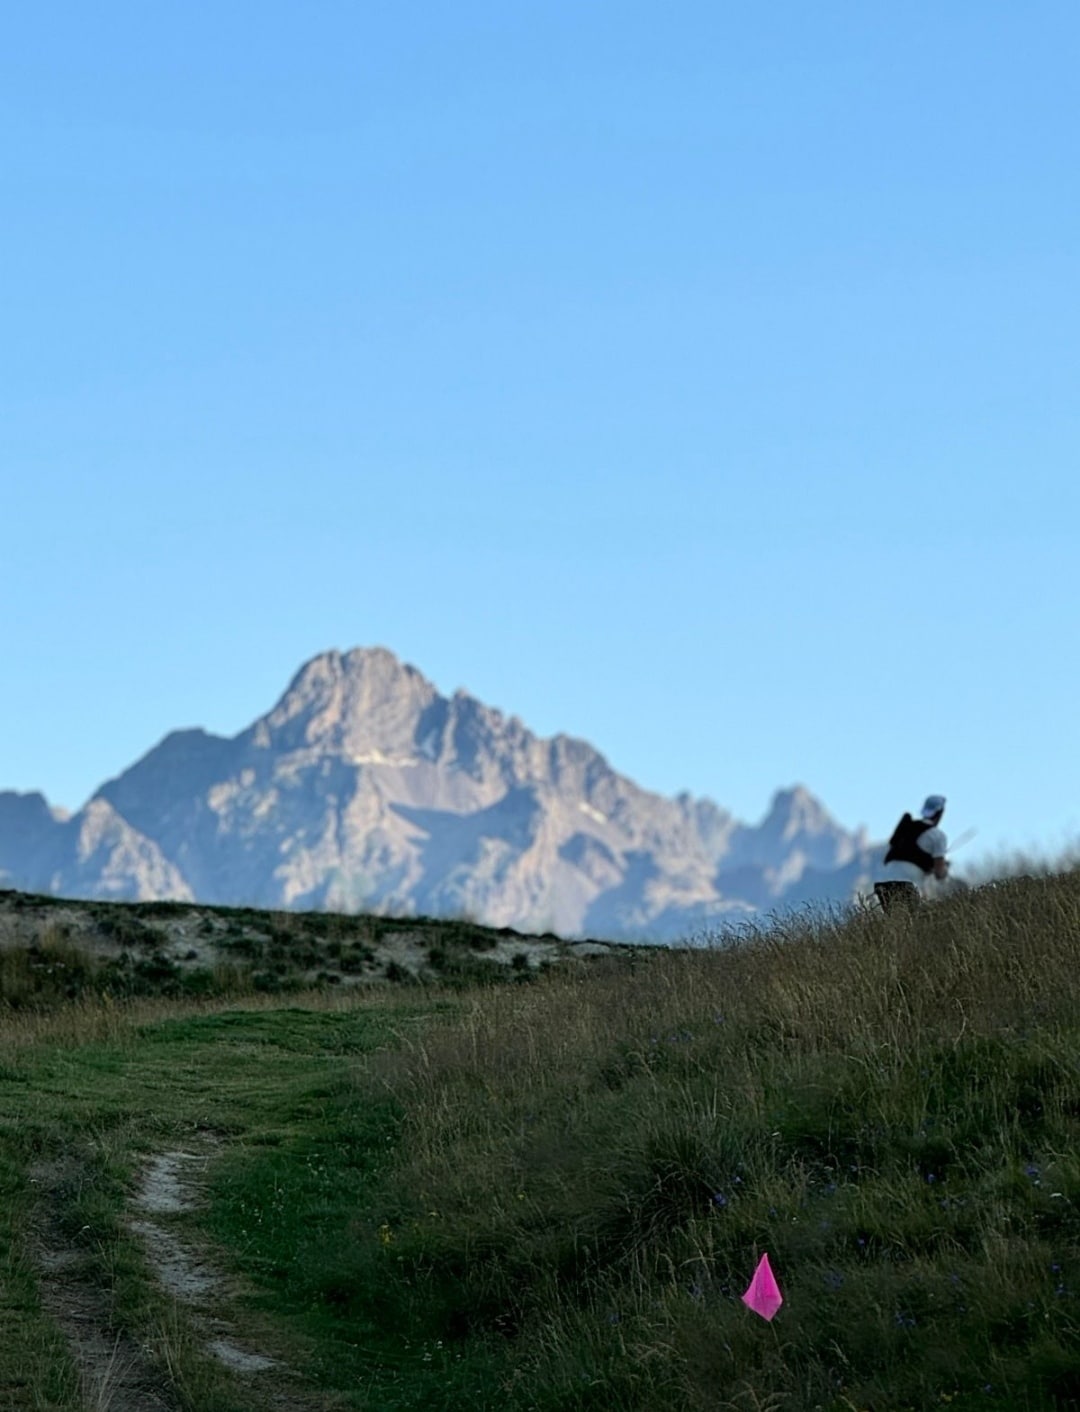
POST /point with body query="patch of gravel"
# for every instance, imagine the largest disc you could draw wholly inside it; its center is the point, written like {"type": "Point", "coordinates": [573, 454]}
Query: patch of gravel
{"type": "Point", "coordinates": [407, 949]}
{"type": "Point", "coordinates": [164, 1186]}
{"type": "Point", "coordinates": [536, 953]}
{"type": "Point", "coordinates": [177, 1271]}
{"type": "Point", "coordinates": [239, 1361]}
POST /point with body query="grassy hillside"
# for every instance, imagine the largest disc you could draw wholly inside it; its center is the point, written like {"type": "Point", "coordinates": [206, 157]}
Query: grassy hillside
{"type": "Point", "coordinates": [551, 1196]}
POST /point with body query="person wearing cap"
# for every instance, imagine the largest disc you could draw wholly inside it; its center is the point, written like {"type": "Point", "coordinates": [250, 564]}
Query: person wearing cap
{"type": "Point", "coordinates": [915, 854]}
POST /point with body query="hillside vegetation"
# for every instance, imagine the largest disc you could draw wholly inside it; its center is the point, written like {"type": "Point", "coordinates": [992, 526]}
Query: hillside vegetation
{"type": "Point", "coordinates": [551, 1195]}
{"type": "Point", "coordinates": [54, 949]}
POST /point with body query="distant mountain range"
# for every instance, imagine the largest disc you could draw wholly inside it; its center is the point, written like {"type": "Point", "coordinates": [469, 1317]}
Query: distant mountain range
{"type": "Point", "coordinates": [365, 789]}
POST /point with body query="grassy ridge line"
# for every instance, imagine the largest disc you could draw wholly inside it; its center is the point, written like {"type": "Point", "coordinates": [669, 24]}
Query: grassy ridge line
{"type": "Point", "coordinates": [53, 950]}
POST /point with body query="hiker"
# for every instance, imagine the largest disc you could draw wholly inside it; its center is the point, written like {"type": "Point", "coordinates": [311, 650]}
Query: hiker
{"type": "Point", "coordinates": [916, 852]}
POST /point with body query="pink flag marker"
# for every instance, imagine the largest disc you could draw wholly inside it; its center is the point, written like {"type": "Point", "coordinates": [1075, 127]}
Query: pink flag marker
{"type": "Point", "coordinates": [763, 1293]}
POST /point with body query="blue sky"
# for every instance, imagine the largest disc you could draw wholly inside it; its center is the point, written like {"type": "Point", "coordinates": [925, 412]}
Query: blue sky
{"type": "Point", "coordinates": [699, 379]}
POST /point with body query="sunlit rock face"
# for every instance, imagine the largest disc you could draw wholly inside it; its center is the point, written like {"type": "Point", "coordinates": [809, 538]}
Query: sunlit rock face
{"type": "Point", "coordinates": [363, 788]}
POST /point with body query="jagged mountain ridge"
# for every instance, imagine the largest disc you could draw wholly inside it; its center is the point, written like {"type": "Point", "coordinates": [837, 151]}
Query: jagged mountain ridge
{"type": "Point", "coordinates": [364, 788]}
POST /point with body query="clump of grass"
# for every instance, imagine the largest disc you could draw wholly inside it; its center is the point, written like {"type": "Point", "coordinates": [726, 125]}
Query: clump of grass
{"type": "Point", "coordinates": [48, 970]}
{"type": "Point", "coordinates": [57, 971]}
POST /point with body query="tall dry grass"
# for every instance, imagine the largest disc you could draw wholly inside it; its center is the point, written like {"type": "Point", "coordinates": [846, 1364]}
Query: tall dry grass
{"type": "Point", "coordinates": [591, 1166]}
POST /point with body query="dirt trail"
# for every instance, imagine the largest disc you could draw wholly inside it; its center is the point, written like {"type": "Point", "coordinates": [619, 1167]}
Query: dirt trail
{"type": "Point", "coordinates": [116, 1373]}
{"type": "Point", "coordinates": [169, 1187]}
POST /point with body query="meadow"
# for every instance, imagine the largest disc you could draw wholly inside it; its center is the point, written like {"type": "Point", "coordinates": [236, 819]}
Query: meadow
{"type": "Point", "coordinates": [549, 1193]}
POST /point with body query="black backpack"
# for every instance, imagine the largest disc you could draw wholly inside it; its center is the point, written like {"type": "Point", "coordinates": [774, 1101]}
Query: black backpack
{"type": "Point", "coordinates": [904, 844]}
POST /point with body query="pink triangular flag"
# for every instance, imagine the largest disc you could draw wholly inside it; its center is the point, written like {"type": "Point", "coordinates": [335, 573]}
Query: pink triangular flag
{"type": "Point", "coordinates": [763, 1294]}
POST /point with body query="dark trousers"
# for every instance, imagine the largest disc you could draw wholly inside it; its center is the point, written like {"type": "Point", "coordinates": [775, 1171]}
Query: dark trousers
{"type": "Point", "coordinates": [897, 896]}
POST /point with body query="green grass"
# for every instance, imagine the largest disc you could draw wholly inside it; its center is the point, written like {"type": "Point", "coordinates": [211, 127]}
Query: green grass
{"type": "Point", "coordinates": [253, 1078]}
{"type": "Point", "coordinates": [550, 1197]}
{"type": "Point", "coordinates": [34, 1369]}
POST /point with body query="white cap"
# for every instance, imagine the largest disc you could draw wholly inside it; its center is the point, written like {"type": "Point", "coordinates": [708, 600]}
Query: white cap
{"type": "Point", "coordinates": [935, 804]}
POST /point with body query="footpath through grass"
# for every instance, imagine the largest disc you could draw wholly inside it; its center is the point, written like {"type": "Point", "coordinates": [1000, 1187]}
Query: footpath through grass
{"type": "Point", "coordinates": [97, 1090]}
{"type": "Point", "coordinates": [551, 1196]}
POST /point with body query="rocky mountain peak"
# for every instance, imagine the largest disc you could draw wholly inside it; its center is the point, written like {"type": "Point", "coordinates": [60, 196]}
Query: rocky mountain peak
{"type": "Point", "coordinates": [357, 704]}
{"type": "Point", "coordinates": [796, 811]}
{"type": "Point", "coordinates": [798, 821]}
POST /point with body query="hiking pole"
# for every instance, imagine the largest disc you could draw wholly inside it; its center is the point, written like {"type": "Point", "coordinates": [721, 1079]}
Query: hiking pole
{"type": "Point", "coordinates": [965, 837]}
